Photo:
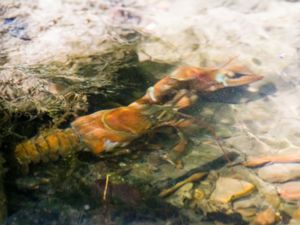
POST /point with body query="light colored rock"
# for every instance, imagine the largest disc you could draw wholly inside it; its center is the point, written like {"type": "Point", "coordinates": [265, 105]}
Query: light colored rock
{"type": "Point", "coordinates": [229, 189]}
{"type": "Point", "coordinates": [296, 214]}
{"type": "Point", "coordinates": [266, 217]}
{"type": "Point", "coordinates": [181, 195]}
{"type": "Point", "coordinates": [247, 207]}
{"type": "Point", "coordinates": [282, 158]}
{"type": "Point", "coordinates": [280, 172]}
{"type": "Point", "coordinates": [287, 207]}
{"type": "Point", "coordinates": [266, 191]}
{"type": "Point", "coordinates": [290, 191]}
{"type": "Point", "coordinates": [247, 144]}
{"type": "Point", "coordinates": [54, 28]}
{"type": "Point", "coordinates": [199, 194]}
{"type": "Point", "coordinates": [294, 222]}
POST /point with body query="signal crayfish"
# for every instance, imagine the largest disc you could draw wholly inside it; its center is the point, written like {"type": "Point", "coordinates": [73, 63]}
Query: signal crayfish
{"type": "Point", "coordinates": [110, 130]}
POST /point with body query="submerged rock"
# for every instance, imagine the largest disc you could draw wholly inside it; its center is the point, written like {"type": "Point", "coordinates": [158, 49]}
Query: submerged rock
{"type": "Point", "coordinates": [283, 158]}
{"type": "Point", "coordinates": [296, 214]}
{"type": "Point", "coordinates": [295, 217]}
{"type": "Point", "coordinates": [247, 207]}
{"type": "Point", "coordinates": [280, 172]}
{"type": "Point", "coordinates": [266, 217]}
{"type": "Point", "coordinates": [181, 195]}
{"type": "Point", "coordinates": [229, 189]}
{"type": "Point", "coordinates": [199, 194]}
{"type": "Point", "coordinates": [267, 192]}
{"type": "Point", "coordinates": [51, 211]}
{"type": "Point", "coordinates": [37, 97]}
{"type": "Point", "coordinates": [290, 191]}
{"type": "Point", "coordinates": [294, 222]}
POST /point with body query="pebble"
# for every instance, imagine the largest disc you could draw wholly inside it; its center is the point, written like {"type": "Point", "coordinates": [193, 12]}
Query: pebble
{"type": "Point", "coordinates": [296, 214]}
{"type": "Point", "coordinates": [266, 217]}
{"type": "Point", "coordinates": [181, 195]}
{"type": "Point", "coordinates": [229, 189]}
{"type": "Point", "coordinates": [261, 160]}
{"type": "Point", "coordinates": [280, 172]}
{"type": "Point", "coordinates": [290, 191]}
{"type": "Point", "coordinates": [199, 194]}
{"type": "Point", "coordinates": [246, 207]}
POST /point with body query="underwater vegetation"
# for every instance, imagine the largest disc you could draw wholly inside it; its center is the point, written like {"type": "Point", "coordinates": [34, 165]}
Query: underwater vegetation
{"type": "Point", "coordinates": [36, 97]}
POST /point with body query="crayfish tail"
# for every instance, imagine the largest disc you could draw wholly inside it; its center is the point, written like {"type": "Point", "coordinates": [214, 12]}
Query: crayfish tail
{"type": "Point", "coordinates": [47, 146]}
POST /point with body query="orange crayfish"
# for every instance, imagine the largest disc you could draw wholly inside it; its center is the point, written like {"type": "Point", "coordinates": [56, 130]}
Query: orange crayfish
{"type": "Point", "coordinates": [114, 129]}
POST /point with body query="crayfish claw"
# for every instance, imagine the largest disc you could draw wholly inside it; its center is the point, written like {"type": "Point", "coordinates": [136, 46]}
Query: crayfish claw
{"type": "Point", "coordinates": [240, 79]}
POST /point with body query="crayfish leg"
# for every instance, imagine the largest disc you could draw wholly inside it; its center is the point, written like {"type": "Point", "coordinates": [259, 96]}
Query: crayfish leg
{"type": "Point", "coordinates": [183, 99]}
{"type": "Point", "coordinates": [177, 151]}
{"type": "Point", "coordinates": [192, 123]}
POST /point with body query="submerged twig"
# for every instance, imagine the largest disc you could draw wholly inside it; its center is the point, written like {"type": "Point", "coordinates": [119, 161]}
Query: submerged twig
{"type": "Point", "coordinates": [106, 187]}
{"type": "Point", "coordinates": [192, 178]}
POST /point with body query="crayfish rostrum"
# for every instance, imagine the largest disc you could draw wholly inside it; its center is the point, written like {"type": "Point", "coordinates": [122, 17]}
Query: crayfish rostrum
{"type": "Point", "coordinates": [114, 129]}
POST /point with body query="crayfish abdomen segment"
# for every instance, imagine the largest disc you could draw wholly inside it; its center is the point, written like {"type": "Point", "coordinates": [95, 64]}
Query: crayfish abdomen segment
{"type": "Point", "coordinates": [47, 146]}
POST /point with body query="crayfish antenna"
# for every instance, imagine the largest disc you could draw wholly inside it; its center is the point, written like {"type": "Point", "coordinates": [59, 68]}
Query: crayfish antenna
{"type": "Point", "coordinates": [236, 68]}
{"type": "Point", "coordinates": [212, 131]}
{"type": "Point", "coordinates": [228, 63]}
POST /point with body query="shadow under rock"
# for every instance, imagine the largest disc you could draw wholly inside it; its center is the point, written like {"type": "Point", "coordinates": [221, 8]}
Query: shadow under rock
{"type": "Point", "coordinates": [215, 164]}
{"type": "Point", "coordinates": [236, 95]}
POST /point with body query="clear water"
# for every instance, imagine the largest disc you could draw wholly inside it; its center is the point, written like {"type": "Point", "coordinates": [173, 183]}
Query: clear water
{"type": "Point", "coordinates": [106, 56]}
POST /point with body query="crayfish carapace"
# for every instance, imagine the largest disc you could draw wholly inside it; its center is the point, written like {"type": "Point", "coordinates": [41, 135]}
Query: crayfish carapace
{"type": "Point", "coordinates": [113, 129]}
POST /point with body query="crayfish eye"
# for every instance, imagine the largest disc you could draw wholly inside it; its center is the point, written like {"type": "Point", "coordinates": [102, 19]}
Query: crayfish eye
{"type": "Point", "coordinates": [221, 78]}
{"type": "Point", "coordinates": [238, 75]}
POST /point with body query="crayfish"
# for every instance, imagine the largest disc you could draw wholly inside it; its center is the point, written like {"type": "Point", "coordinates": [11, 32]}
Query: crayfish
{"type": "Point", "coordinates": [114, 129]}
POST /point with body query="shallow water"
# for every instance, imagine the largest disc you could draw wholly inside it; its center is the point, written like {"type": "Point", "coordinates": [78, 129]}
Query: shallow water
{"type": "Point", "coordinates": [80, 57]}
